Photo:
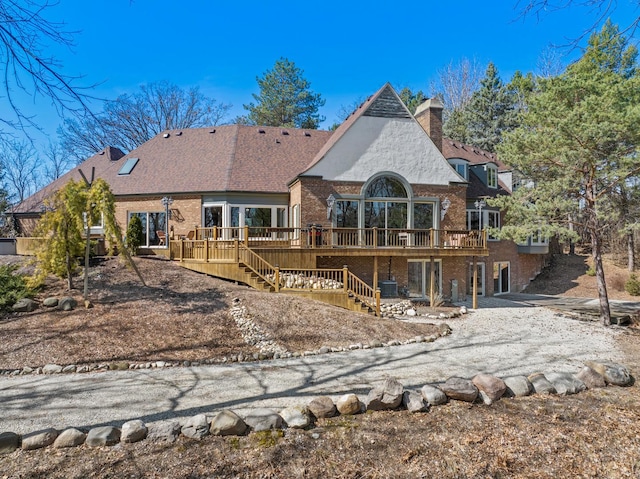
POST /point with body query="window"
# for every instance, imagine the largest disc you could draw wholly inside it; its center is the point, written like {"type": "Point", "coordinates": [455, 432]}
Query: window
{"type": "Point", "coordinates": [383, 213]}
{"type": "Point", "coordinates": [490, 219]}
{"type": "Point", "coordinates": [128, 166]}
{"type": "Point", "coordinates": [257, 217]}
{"type": "Point", "coordinates": [492, 176]}
{"type": "Point", "coordinates": [152, 222]}
{"type": "Point", "coordinates": [347, 213]}
{"type": "Point", "coordinates": [461, 167]}
{"type": "Point", "coordinates": [539, 240]}
{"type": "Point", "coordinates": [386, 187]}
{"type": "Point", "coordinates": [212, 216]}
{"type": "Point", "coordinates": [493, 221]}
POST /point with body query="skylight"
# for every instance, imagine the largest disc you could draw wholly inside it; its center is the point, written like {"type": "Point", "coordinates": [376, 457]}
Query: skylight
{"type": "Point", "coordinates": [128, 166]}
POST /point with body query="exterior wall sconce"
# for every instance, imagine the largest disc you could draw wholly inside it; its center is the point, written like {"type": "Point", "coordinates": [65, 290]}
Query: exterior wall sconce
{"type": "Point", "coordinates": [330, 202]}
{"type": "Point", "coordinates": [446, 203]}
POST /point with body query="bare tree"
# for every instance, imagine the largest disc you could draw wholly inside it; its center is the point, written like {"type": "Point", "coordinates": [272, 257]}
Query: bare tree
{"type": "Point", "coordinates": [58, 163]}
{"type": "Point", "coordinates": [550, 63]}
{"type": "Point", "coordinates": [131, 120]}
{"type": "Point", "coordinates": [20, 167]}
{"type": "Point", "coordinates": [456, 83]}
{"type": "Point", "coordinates": [24, 34]}
{"type": "Point", "coordinates": [600, 11]}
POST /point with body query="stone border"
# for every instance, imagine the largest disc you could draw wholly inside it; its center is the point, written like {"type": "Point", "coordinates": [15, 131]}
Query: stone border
{"type": "Point", "coordinates": [389, 396]}
{"type": "Point", "coordinates": [253, 335]}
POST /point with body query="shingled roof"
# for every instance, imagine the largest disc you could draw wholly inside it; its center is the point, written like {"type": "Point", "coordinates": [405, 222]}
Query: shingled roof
{"type": "Point", "coordinates": [202, 160]}
{"type": "Point", "coordinates": [474, 155]}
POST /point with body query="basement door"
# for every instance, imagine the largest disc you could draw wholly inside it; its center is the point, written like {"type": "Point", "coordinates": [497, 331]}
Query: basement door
{"type": "Point", "coordinates": [501, 277]}
{"type": "Point", "coordinates": [419, 275]}
{"type": "Point", "coordinates": [480, 267]}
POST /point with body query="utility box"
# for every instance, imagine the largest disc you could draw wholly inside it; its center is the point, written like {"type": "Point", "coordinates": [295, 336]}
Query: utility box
{"type": "Point", "coordinates": [388, 289]}
{"type": "Point", "coordinates": [454, 290]}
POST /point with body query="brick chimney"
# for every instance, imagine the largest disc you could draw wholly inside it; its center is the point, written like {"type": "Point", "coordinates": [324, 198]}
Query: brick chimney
{"type": "Point", "coordinates": [429, 115]}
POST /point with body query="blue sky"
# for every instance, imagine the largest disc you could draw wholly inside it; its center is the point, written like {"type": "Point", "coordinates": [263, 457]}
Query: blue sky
{"type": "Point", "coordinates": [347, 49]}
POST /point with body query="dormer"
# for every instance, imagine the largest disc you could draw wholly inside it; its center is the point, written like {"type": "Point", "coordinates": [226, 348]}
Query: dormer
{"type": "Point", "coordinates": [461, 166]}
{"type": "Point", "coordinates": [488, 173]}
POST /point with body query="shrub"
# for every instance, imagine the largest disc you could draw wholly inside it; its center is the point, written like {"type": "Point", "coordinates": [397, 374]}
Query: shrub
{"type": "Point", "coordinates": [632, 286]}
{"type": "Point", "coordinates": [591, 271]}
{"type": "Point", "coordinates": [134, 234]}
{"type": "Point", "coordinates": [12, 287]}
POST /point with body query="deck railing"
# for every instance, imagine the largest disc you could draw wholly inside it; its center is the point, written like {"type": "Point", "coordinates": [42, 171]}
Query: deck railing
{"type": "Point", "coordinates": [319, 237]}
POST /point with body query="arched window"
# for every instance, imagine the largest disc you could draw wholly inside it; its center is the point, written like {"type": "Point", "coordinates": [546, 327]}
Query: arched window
{"type": "Point", "coordinates": [386, 203]}
{"type": "Point", "coordinates": [386, 187]}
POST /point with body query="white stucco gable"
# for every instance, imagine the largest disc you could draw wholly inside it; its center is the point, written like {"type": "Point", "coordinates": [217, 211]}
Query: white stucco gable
{"type": "Point", "coordinates": [383, 136]}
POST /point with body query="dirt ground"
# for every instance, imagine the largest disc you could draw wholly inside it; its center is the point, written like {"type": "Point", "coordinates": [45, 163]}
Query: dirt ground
{"type": "Point", "coordinates": [184, 315]}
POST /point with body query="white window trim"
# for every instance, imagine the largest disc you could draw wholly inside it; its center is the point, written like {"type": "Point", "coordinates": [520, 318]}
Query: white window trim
{"type": "Point", "coordinates": [455, 162]}
{"type": "Point", "coordinates": [492, 176]}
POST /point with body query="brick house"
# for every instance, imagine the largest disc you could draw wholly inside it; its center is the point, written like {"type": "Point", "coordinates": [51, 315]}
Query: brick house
{"type": "Point", "coordinates": [384, 196]}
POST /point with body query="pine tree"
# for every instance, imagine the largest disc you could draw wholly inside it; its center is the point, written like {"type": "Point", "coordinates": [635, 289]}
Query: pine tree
{"type": "Point", "coordinates": [285, 99]}
{"type": "Point", "coordinates": [491, 112]}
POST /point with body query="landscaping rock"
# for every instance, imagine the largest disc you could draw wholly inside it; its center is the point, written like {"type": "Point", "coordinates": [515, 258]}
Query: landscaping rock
{"type": "Point", "coordinates": [39, 439]}
{"type": "Point", "coordinates": [387, 396]}
{"type": "Point", "coordinates": [71, 437]}
{"type": "Point", "coordinates": [413, 402]}
{"type": "Point", "coordinates": [296, 417]}
{"type": "Point", "coordinates": [460, 389]}
{"type": "Point", "coordinates": [133, 431]}
{"type": "Point", "coordinates": [591, 378]}
{"type": "Point", "coordinates": [322, 407]}
{"type": "Point", "coordinates": [103, 436]}
{"type": "Point", "coordinates": [348, 405]}
{"type": "Point", "coordinates": [24, 305]}
{"type": "Point", "coordinates": [541, 385]}
{"type": "Point", "coordinates": [196, 427]}
{"type": "Point", "coordinates": [227, 423]}
{"type": "Point", "coordinates": [490, 387]}
{"type": "Point", "coordinates": [433, 395]}
{"type": "Point", "coordinates": [50, 302]}
{"type": "Point", "coordinates": [164, 431]}
{"type": "Point", "coordinates": [263, 420]}
{"type": "Point", "coordinates": [67, 303]}
{"type": "Point", "coordinates": [565, 383]}
{"type": "Point", "coordinates": [71, 368]}
{"type": "Point", "coordinates": [52, 369]}
{"type": "Point", "coordinates": [444, 329]}
{"type": "Point", "coordinates": [518, 386]}
{"type": "Point", "coordinates": [9, 442]}
{"type": "Point", "coordinates": [613, 373]}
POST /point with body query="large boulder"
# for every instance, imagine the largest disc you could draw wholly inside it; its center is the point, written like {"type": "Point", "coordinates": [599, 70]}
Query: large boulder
{"type": "Point", "coordinates": [103, 436]}
{"type": "Point", "coordinates": [24, 305]}
{"type": "Point", "coordinates": [591, 378]}
{"type": "Point", "coordinates": [52, 369]}
{"type": "Point", "coordinates": [263, 420]}
{"type": "Point", "coordinates": [71, 437]}
{"type": "Point", "coordinates": [414, 402]}
{"type": "Point", "coordinates": [322, 407]}
{"type": "Point", "coordinates": [386, 396]}
{"type": "Point", "coordinates": [613, 373]}
{"type": "Point", "coordinates": [460, 389]}
{"type": "Point", "coordinates": [349, 404]}
{"type": "Point", "coordinates": [565, 383]}
{"type": "Point", "coordinates": [518, 386]}
{"type": "Point", "coordinates": [490, 387]}
{"type": "Point", "coordinates": [433, 395]}
{"type": "Point", "coordinates": [50, 302]}
{"type": "Point", "coordinates": [39, 439]}
{"type": "Point", "coordinates": [227, 423]}
{"type": "Point", "coordinates": [133, 431]}
{"type": "Point", "coordinates": [296, 417]}
{"type": "Point", "coordinates": [9, 442]}
{"type": "Point", "coordinates": [541, 385]}
{"type": "Point", "coordinates": [67, 303]}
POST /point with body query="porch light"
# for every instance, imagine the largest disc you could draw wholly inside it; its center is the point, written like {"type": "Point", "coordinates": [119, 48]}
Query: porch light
{"type": "Point", "coordinates": [444, 207]}
{"type": "Point", "coordinates": [479, 204]}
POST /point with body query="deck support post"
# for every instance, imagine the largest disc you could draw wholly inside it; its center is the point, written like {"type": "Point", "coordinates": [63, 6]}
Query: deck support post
{"type": "Point", "coordinates": [246, 236]}
{"type": "Point", "coordinates": [345, 277]}
{"type": "Point", "coordinates": [432, 279]}
{"type": "Point", "coordinates": [375, 272]}
{"type": "Point", "coordinates": [474, 302]}
{"type": "Point", "coordinates": [378, 302]}
{"type": "Point", "coordinates": [277, 278]}
{"type": "Point", "coordinates": [181, 250]}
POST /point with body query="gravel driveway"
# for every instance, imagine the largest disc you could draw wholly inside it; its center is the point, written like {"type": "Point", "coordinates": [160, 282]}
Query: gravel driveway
{"type": "Point", "coordinates": [507, 339]}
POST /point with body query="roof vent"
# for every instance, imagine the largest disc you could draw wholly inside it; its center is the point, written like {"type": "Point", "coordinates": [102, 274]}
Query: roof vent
{"type": "Point", "coordinates": [306, 133]}
{"type": "Point", "coordinates": [261, 131]}
{"type": "Point", "coordinates": [101, 153]}
{"type": "Point", "coordinates": [166, 135]}
{"type": "Point", "coordinates": [277, 141]}
{"type": "Point", "coordinates": [285, 132]}
{"type": "Point", "coordinates": [213, 131]}
{"type": "Point", "coordinates": [179, 133]}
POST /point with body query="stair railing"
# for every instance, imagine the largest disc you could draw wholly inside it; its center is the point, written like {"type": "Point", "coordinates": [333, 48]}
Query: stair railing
{"type": "Point", "coordinates": [363, 292]}
{"type": "Point", "coordinates": [257, 264]}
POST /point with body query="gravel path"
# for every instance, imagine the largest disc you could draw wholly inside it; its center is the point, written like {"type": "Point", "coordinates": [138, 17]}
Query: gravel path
{"type": "Point", "coordinates": [506, 340]}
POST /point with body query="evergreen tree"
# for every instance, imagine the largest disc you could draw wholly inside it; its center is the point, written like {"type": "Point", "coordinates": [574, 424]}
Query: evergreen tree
{"type": "Point", "coordinates": [412, 100]}
{"type": "Point", "coordinates": [578, 144]}
{"type": "Point", "coordinates": [285, 99]}
{"type": "Point", "coordinates": [491, 112]}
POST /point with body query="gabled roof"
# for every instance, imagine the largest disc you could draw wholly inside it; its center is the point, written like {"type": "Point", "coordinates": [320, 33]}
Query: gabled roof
{"type": "Point", "coordinates": [477, 188]}
{"type": "Point", "coordinates": [202, 160]}
{"type": "Point", "coordinates": [383, 102]}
